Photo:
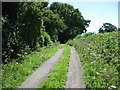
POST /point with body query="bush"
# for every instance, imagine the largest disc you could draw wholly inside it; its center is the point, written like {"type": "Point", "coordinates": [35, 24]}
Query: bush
{"type": "Point", "coordinates": [47, 40]}
{"type": "Point", "coordinates": [99, 55]}
{"type": "Point", "coordinates": [78, 36]}
{"type": "Point", "coordinates": [87, 34]}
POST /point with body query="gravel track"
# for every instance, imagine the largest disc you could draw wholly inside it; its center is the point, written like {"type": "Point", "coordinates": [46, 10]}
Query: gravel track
{"type": "Point", "coordinates": [74, 75]}
{"type": "Point", "coordinates": [41, 73]}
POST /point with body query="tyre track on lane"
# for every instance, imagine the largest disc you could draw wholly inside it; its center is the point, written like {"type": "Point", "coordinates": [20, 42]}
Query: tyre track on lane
{"type": "Point", "coordinates": [41, 73]}
{"type": "Point", "coordinates": [74, 75]}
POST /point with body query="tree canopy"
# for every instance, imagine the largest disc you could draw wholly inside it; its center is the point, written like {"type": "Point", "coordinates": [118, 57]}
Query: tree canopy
{"type": "Point", "coordinates": [107, 27]}
{"type": "Point", "coordinates": [72, 18]}
{"type": "Point", "coordinates": [29, 25]}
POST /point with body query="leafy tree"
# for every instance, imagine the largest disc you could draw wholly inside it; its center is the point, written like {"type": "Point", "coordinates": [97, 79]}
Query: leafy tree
{"type": "Point", "coordinates": [22, 27]}
{"type": "Point", "coordinates": [32, 25]}
{"type": "Point", "coordinates": [72, 18]}
{"type": "Point", "coordinates": [107, 27]}
{"type": "Point", "coordinates": [53, 24]}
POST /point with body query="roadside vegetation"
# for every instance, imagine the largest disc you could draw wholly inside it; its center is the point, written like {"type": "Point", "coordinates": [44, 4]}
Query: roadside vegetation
{"type": "Point", "coordinates": [84, 35]}
{"type": "Point", "coordinates": [28, 28]}
{"type": "Point", "coordinates": [18, 70]}
{"type": "Point", "coordinates": [29, 34]}
{"type": "Point", "coordinates": [99, 55]}
{"type": "Point", "coordinates": [58, 76]}
{"type": "Point", "coordinates": [35, 24]}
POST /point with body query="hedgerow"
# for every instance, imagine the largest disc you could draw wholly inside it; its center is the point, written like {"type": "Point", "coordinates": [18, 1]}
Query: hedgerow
{"type": "Point", "coordinates": [99, 55]}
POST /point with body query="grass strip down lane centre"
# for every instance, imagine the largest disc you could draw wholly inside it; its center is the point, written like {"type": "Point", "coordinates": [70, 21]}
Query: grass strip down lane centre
{"type": "Point", "coordinates": [57, 77]}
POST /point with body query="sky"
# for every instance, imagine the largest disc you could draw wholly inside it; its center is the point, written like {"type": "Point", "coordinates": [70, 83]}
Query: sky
{"type": "Point", "coordinates": [98, 11]}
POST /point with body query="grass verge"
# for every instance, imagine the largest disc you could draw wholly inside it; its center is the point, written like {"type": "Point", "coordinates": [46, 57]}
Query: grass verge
{"type": "Point", "coordinates": [57, 77]}
{"type": "Point", "coordinates": [15, 73]}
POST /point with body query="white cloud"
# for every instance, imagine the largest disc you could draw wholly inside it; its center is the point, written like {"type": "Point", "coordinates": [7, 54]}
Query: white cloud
{"type": "Point", "coordinates": [95, 25]}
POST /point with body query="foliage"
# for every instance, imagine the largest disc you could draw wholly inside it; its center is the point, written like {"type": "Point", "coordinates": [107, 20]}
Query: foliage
{"type": "Point", "coordinates": [33, 24]}
{"type": "Point", "coordinates": [87, 34]}
{"type": "Point", "coordinates": [47, 40]}
{"type": "Point", "coordinates": [16, 72]}
{"type": "Point", "coordinates": [99, 55]}
{"type": "Point", "coordinates": [57, 78]}
{"type": "Point", "coordinates": [72, 17]}
{"type": "Point", "coordinates": [78, 36]}
{"type": "Point", "coordinates": [22, 28]}
{"type": "Point", "coordinates": [84, 35]}
{"type": "Point", "coordinates": [53, 24]}
{"type": "Point", "coordinates": [107, 27]}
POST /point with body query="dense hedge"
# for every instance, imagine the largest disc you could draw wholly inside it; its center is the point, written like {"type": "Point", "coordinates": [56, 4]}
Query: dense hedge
{"type": "Point", "coordinates": [23, 29]}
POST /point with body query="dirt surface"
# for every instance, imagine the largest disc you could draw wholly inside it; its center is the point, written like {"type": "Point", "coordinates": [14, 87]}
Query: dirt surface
{"type": "Point", "coordinates": [74, 75]}
{"type": "Point", "coordinates": [40, 74]}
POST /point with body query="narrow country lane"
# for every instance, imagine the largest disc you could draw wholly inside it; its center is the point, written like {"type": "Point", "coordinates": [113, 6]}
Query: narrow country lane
{"type": "Point", "coordinates": [42, 72]}
{"type": "Point", "coordinates": [74, 75]}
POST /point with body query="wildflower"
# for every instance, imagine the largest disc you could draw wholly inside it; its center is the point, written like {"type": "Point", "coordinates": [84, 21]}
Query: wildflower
{"type": "Point", "coordinates": [113, 87]}
{"type": "Point", "coordinates": [97, 73]}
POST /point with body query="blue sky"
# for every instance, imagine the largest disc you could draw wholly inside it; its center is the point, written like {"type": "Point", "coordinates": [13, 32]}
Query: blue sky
{"type": "Point", "coordinates": [98, 12]}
